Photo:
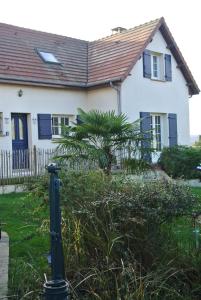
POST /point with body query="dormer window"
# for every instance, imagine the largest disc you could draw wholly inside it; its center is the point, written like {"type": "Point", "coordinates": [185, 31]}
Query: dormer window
{"type": "Point", "coordinates": [48, 57]}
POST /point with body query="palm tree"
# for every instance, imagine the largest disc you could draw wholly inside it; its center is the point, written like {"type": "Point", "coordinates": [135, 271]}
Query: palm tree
{"type": "Point", "coordinates": [100, 136]}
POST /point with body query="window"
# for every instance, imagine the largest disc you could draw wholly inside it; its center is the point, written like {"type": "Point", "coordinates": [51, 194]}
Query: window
{"type": "Point", "coordinates": [157, 66]}
{"type": "Point", "coordinates": [156, 133]}
{"type": "Point", "coordinates": [48, 57]}
{"type": "Point", "coordinates": [21, 129]}
{"type": "Point", "coordinates": [57, 124]}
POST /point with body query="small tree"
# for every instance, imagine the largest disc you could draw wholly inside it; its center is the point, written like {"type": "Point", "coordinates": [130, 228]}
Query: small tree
{"type": "Point", "coordinates": [198, 143]}
{"type": "Point", "coordinates": [101, 136]}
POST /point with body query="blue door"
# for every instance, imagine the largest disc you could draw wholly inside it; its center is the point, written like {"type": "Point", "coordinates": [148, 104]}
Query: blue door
{"type": "Point", "coordinates": [20, 141]}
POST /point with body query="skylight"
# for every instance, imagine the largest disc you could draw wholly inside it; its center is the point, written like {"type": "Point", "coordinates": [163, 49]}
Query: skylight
{"type": "Point", "coordinates": [48, 57]}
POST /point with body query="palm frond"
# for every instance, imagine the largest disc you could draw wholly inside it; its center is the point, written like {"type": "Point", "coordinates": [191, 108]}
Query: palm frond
{"type": "Point", "coordinates": [99, 135]}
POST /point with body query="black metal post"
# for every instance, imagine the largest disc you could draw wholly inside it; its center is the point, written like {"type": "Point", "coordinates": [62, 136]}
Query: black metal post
{"type": "Point", "coordinates": [57, 288]}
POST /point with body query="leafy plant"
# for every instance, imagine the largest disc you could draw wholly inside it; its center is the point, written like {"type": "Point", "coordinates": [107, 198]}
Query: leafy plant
{"type": "Point", "coordinates": [114, 239]}
{"type": "Point", "coordinates": [119, 240]}
{"type": "Point", "coordinates": [115, 244]}
{"type": "Point", "coordinates": [198, 143]}
{"type": "Point", "coordinates": [181, 161]}
{"type": "Point", "coordinates": [134, 165]}
{"type": "Point", "coordinates": [101, 136]}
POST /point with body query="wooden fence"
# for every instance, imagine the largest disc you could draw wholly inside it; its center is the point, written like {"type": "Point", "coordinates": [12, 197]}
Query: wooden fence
{"type": "Point", "coordinates": [18, 166]}
{"type": "Point", "coordinates": [21, 165]}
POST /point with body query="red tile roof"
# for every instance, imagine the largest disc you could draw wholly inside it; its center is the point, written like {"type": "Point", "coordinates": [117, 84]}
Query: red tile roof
{"type": "Point", "coordinates": [83, 64]}
{"type": "Point", "coordinates": [19, 59]}
{"type": "Point", "coordinates": [115, 55]}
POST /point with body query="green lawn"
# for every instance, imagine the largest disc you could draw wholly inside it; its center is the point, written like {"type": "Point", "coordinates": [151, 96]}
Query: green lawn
{"type": "Point", "coordinates": [28, 245]}
{"type": "Point", "coordinates": [197, 191]}
{"type": "Point", "coordinates": [183, 232]}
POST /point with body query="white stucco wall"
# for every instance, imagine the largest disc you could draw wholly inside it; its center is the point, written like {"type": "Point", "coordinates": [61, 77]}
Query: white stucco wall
{"type": "Point", "coordinates": [104, 99]}
{"type": "Point", "coordinates": [141, 94]}
{"type": "Point", "coordinates": [36, 100]}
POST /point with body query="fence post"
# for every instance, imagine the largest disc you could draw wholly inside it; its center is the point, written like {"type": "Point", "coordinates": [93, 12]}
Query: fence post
{"type": "Point", "coordinates": [35, 160]}
{"type": "Point", "coordinates": [57, 288]}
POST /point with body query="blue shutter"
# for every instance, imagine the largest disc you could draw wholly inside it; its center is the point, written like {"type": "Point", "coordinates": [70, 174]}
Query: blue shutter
{"type": "Point", "coordinates": [145, 128]}
{"type": "Point", "coordinates": [168, 67]}
{"type": "Point", "coordinates": [172, 118]}
{"type": "Point", "coordinates": [147, 64]}
{"type": "Point", "coordinates": [44, 127]}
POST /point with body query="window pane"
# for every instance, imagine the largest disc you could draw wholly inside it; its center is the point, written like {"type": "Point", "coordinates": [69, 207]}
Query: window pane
{"type": "Point", "coordinates": [55, 121]}
{"type": "Point", "coordinates": [66, 121]}
{"type": "Point", "coordinates": [158, 132]}
{"type": "Point", "coordinates": [55, 130]}
{"type": "Point", "coordinates": [62, 121]}
{"type": "Point", "coordinates": [48, 57]}
{"type": "Point", "coordinates": [21, 130]}
{"type": "Point", "coordinates": [155, 66]}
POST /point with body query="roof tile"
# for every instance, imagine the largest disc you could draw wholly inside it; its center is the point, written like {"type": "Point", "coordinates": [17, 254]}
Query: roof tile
{"type": "Point", "coordinates": [83, 63]}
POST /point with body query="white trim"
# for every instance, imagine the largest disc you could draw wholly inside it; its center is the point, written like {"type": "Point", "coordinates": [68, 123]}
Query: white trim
{"type": "Point", "coordinates": [159, 64]}
{"type": "Point", "coordinates": [71, 119]}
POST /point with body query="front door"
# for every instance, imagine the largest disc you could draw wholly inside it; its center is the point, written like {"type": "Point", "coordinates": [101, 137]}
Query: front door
{"type": "Point", "coordinates": [19, 141]}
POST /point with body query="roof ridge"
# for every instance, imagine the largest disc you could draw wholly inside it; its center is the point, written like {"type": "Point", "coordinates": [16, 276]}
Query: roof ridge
{"type": "Point", "coordinates": [64, 36]}
{"type": "Point", "coordinates": [129, 29]}
{"type": "Point", "coordinates": [40, 31]}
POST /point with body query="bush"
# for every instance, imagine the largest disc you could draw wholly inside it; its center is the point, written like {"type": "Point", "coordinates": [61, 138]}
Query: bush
{"type": "Point", "coordinates": [135, 166]}
{"type": "Point", "coordinates": [114, 244]}
{"type": "Point", "coordinates": [181, 162]}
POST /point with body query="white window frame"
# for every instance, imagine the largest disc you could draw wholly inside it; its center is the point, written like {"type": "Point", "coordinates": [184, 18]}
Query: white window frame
{"type": "Point", "coordinates": [157, 131]}
{"type": "Point", "coordinates": [159, 66]}
{"type": "Point", "coordinates": [59, 124]}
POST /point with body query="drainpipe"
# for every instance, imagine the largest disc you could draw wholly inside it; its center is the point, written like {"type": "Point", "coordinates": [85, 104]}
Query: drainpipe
{"type": "Point", "coordinates": [118, 89]}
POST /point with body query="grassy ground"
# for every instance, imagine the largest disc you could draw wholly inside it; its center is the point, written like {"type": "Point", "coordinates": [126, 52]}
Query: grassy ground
{"type": "Point", "coordinates": [197, 191]}
{"type": "Point", "coordinates": [184, 230]}
{"type": "Point", "coordinates": [28, 245]}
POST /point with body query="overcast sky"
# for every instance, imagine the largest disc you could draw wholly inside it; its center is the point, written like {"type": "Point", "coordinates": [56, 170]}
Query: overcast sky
{"type": "Point", "coordinates": [92, 19]}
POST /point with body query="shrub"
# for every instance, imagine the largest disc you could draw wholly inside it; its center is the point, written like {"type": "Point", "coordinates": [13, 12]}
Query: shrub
{"type": "Point", "coordinates": [135, 166]}
{"type": "Point", "coordinates": [181, 162]}
{"type": "Point", "coordinates": [114, 244]}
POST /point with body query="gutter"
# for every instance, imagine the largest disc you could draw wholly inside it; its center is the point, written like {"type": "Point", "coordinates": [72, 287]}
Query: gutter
{"type": "Point", "coordinates": [117, 88]}
{"type": "Point", "coordinates": [68, 84]}
{"type": "Point", "coordinates": [41, 83]}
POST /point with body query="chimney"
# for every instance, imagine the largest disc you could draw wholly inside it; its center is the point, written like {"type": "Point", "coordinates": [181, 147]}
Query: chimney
{"type": "Point", "coordinates": [118, 30]}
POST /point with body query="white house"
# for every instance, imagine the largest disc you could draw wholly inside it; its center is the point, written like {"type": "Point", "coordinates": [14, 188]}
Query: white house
{"type": "Point", "coordinates": [45, 77]}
